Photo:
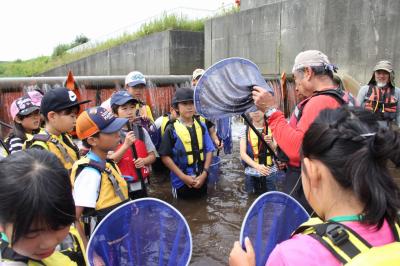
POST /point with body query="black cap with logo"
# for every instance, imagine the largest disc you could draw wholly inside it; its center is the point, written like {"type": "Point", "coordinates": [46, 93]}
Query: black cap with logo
{"type": "Point", "coordinates": [59, 99]}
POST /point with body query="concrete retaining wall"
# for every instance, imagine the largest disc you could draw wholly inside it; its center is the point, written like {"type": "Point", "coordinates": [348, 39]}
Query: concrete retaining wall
{"type": "Point", "coordinates": [166, 53]}
{"type": "Point", "coordinates": [355, 34]}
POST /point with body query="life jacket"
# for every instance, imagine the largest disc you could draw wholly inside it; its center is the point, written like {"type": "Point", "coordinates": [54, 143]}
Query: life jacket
{"type": "Point", "coordinates": [349, 247]}
{"type": "Point", "coordinates": [63, 148]}
{"type": "Point", "coordinates": [185, 147]}
{"type": "Point", "coordinates": [113, 187]}
{"type": "Point", "coordinates": [166, 120]}
{"type": "Point", "coordinates": [185, 154]}
{"type": "Point", "coordinates": [341, 96]}
{"type": "Point", "coordinates": [256, 149]}
{"type": "Point", "coordinates": [382, 101]}
{"type": "Point", "coordinates": [126, 164]}
{"type": "Point", "coordinates": [71, 255]}
{"type": "Point", "coordinates": [148, 111]}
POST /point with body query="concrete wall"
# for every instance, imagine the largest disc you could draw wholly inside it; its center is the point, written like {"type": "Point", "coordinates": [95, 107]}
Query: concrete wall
{"type": "Point", "coordinates": [249, 4]}
{"type": "Point", "coordinates": [165, 53]}
{"type": "Point", "coordinates": [355, 34]}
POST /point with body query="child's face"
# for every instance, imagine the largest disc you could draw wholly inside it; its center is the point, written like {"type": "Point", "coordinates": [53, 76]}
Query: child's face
{"type": "Point", "coordinates": [256, 116]}
{"type": "Point", "coordinates": [30, 122]}
{"type": "Point", "coordinates": [65, 121]}
{"type": "Point", "coordinates": [186, 109]}
{"type": "Point", "coordinates": [127, 110]}
{"type": "Point", "coordinates": [38, 244]}
{"type": "Point", "coordinates": [108, 142]}
{"type": "Point", "coordinates": [137, 91]}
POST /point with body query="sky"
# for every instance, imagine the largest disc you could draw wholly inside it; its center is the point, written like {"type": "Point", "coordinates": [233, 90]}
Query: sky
{"type": "Point", "coordinates": [33, 28]}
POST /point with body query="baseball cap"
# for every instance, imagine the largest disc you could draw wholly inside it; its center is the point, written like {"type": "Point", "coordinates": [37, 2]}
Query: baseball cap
{"type": "Point", "coordinates": [121, 98]}
{"type": "Point", "coordinates": [59, 99]}
{"type": "Point", "coordinates": [36, 97]}
{"type": "Point", "coordinates": [384, 65]}
{"type": "Point", "coordinates": [197, 73]}
{"type": "Point", "coordinates": [135, 78]}
{"type": "Point", "coordinates": [97, 119]}
{"type": "Point", "coordinates": [22, 106]}
{"type": "Point", "coordinates": [311, 58]}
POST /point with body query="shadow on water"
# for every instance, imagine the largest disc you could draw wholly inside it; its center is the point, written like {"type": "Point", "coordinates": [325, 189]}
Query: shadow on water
{"type": "Point", "coordinates": [214, 220]}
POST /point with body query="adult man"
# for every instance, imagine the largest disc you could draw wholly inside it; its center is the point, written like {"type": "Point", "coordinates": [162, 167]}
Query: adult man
{"type": "Point", "coordinates": [135, 83]}
{"type": "Point", "coordinates": [313, 75]}
{"type": "Point", "coordinates": [380, 94]}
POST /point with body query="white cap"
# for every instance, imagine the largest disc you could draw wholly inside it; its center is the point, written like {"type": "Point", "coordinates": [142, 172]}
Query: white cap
{"type": "Point", "coordinates": [197, 73]}
{"type": "Point", "coordinates": [310, 58]}
{"type": "Point", "coordinates": [134, 78]}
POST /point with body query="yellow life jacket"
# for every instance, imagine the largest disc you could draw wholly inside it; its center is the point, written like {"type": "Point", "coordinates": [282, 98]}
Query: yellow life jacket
{"type": "Point", "coordinates": [73, 256]}
{"type": "Point", "coordinates": [183, 134]}
{"type": "Point", "coordinates": [148, 111]}
{"type": "Point", "coordinates": [350, 248]}
{"type": "Point", "coordinates": [164, 123]}
{"type": "Point", "coordinates": [62, 146]}
{"type": "Point", "coordinates": [254, 144]}
{"type": "Point", "coordinates": [113, 187]}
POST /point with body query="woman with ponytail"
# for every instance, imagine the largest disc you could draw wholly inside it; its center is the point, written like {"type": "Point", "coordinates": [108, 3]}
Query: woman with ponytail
{"type": "Point", "coordinates": [347, 183]}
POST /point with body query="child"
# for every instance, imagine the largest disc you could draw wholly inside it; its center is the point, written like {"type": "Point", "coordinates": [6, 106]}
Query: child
{"type": "Point", "coordinates": [135, 83]}
{"type": "Point", "coordinates": [26, 119]}
{"type": "Point", "coordinates": [124, 106]}
{"type": "Point", "coordinates": [260, 169]}
{"type": "Point", "coordinates": [36, 211]}
{"type": "Point", "coordinates": [98, 186]}
{"type": "Point", "coordinates": [59, 107]}
{"type": "Point", "coordinates": [186, 149]}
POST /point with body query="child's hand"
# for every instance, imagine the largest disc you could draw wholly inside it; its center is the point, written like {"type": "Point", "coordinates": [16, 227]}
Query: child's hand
{"type": "Point", "coordinates": [143, 112]}
{"type": "Point", "coordinates": [139, 162]}
{"type": "Point", "coordinates": [200, 180]}
{"type": "Point", "coordinates": [262, 169]}
{"type": "Point", "coordinates": [129, 139]}
{"type": "Point", "coordinates": [189, 181]}
{"type": "Point", "coordinates": [240, 257]}
{"type": "Point", "coordinates": [268, 139]}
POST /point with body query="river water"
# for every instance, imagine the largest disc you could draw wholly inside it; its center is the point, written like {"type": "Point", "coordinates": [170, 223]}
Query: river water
{"type": "Point", "coordinates": [214, 220]}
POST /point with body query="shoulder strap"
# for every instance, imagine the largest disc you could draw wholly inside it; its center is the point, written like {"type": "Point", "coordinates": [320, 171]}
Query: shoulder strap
{"type": "Point", "coordinates": [197, 118]}
{"type": "Point", "coordinates": [343, 242]}
{"type": "Point", "coordinates": [9, 254]}
{"type": "Point", "coordinates": [68, 140]}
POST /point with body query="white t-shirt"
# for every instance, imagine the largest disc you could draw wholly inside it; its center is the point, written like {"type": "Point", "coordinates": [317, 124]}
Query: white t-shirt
{"type": "Point", "coordinates": [158, 122]}
{"type": "Point", "coordinates": [87, 187]}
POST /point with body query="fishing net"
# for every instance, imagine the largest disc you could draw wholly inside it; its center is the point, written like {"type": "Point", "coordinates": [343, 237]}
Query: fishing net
{"type": "Point", "coordinates": [270, 220]}
{"type": "Point", "coordinates": [225, 88]}
{"type": "Point", "coordinates": [141, 232]}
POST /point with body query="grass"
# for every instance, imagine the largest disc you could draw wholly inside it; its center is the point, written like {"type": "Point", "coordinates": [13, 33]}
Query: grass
{"type": "Point", "coordinates": [41, 64]}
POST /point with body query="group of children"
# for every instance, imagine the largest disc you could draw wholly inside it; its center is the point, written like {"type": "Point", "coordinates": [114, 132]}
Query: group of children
{"type": "Point", "coordinates": [112, 166]}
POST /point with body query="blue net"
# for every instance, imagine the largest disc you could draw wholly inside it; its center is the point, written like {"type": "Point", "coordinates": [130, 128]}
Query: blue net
{"type": "Point", "coordinates": [142, 232]}
{"type": "Point", "coordinates": [214, 170]}
{"type": "Point", "coordinates": [224, 133]}
{"type": "Point", "coordinates": [270, 220]}
{"type": "Point", "coordinates": [225, 88]}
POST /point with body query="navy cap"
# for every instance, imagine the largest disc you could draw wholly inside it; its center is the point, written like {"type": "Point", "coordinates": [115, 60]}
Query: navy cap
{"type": "Point", "coordinates": [121, 97]}
{"type": "Point", "coordinates": [59, 99]}
{"type": "Point", "coordinates": [97, 119]}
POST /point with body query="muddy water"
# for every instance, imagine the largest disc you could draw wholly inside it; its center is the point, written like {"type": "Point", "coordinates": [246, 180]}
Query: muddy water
{"type": "Point", "coordinates": [214, 220]}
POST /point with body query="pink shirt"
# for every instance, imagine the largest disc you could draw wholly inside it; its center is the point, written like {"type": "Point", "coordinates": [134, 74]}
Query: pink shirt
{"type": "Point", "coordinates": [305, 250]}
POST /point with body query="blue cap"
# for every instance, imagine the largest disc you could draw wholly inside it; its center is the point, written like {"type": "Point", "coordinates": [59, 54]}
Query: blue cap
{"type": "Point", "coordinates": [121, 97]}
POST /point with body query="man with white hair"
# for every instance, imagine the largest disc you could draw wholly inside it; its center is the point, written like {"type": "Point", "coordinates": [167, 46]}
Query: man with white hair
{"type": "Point", "coordinates": [313, 76]}
{"type": "Point", "coordinates": [380, 94]}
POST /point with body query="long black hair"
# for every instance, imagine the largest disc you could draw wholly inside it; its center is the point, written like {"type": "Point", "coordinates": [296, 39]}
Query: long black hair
{"type": "Point", "coordinates": [34, 190]}
{"type": "Point", "coordinates": [351, 145]}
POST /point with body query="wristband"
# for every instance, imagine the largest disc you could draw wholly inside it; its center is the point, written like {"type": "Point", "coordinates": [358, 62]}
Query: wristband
{"type": "Point", "coordinates": [270, 111]}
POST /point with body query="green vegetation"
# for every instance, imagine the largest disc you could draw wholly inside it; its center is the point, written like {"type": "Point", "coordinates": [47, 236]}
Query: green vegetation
{"type": "Point", "coordinates": [60, 55]}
